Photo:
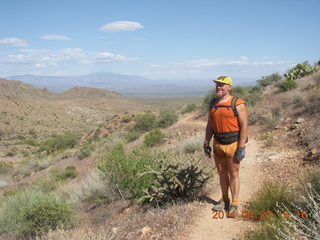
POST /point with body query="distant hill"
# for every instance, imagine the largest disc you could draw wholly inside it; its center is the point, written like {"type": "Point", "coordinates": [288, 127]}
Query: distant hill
{"type": "Point", "coordinates": [124, 84]}
{"type": "Point", "coordinates": [25, 108]}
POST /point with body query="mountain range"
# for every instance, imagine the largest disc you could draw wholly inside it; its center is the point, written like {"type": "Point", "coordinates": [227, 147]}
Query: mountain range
{"type": "Point", "coordinates": [129, 85]}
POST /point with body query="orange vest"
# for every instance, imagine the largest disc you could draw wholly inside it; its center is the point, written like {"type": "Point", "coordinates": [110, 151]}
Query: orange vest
{"type": "Point", "coordinates": [223, 118]}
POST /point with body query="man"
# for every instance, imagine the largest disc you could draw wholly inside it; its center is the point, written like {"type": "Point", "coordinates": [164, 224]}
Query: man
{"type": "Point", "coordinates": [228, 123]}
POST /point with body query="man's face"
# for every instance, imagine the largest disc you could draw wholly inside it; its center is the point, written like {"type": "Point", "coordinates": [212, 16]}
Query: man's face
{"type": "Point", "coordinates": [222, 89]}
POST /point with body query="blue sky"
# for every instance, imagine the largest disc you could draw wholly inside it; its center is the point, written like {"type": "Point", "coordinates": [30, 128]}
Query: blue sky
{"type": "Point", "coordinates": [158, 39]}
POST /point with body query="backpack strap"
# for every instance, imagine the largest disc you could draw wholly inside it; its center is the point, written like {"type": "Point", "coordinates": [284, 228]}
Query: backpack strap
{"type": "Point", "coordinates": [234, 107]}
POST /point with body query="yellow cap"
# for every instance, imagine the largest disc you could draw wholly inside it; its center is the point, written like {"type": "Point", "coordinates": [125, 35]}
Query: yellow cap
{"type": "Point", "coordinates": [224, 79]}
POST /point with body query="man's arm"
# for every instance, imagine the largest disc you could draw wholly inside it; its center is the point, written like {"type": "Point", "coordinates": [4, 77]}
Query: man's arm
{"type": "Point", "coordinates": [243, 123]}
{"type": "Point", "coordinates": [209, 128]}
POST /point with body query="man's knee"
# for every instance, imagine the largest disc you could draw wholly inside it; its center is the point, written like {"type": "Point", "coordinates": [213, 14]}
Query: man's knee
{"type": "Point", "coordinates": [223, 171]}
{"type": "Point", "coordinates": [234, 172]}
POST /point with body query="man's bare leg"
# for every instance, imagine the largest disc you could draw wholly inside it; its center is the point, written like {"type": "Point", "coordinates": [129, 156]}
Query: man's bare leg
{"type": "Point", "coordinates": [233, 170]}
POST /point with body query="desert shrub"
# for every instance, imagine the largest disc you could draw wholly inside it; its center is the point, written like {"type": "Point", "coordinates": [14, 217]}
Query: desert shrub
{"type": "Point", "coordinates": [287, 85]}
{"type": "Point", "coordinates": [59, 142]}
{"type": "Point", "coordinates": [30, 141]}
{"type": "Point", "coordinates": [10, 154]}
{"type": "Point", "coordinates": [31, 212]}
{"type": "Point", "coordinates": [154, 137]}
{"type": "Point", "coordinates": [189, 108]}
{"type": "Point", "coordinates": [85, 151]}
{"type": "Point", "coordinates": [298, 101]}
{"type": "Point", "coordinates": [62, 175]}
{"type": "Point", "coordinates": [268, 198]}
{"type": "Point", "coordinates": [265, 232]}
{"type": "Point", "coordinates": [5, 167]}
{"type": "Point", "coordinates": [267, 139]}
{"type": "Point", "coordinates": [312, 178]}
{"type": "Point", "coordinates": [94, 185]}
{"type": "Point", "coordinates": [269, 123]}
{"type": "Point", "coordinates": [46, 184]}
{"type": "Point", "coordinates": [270, 79]}
{"type": "Point", "coordinates": [305, 223]}
{"type": "Point", "coordinates": [167, 118]}
{"type": "Point", "coordinates": [193, 144]}
{"type": "Point", "coordinates": [175, 182]}
{"type": "Point", "coordinates": [132, 135]}
{"type": "Point", "coordinates": [144, 122]}
{"type": "Point", "coordinates": [126, 119]}
{"type": "Point", "coordinates": [276, 112]}
{"type": "Point", "coordinates": [123, 170]}
{"type": "Point", "coordinates": [313, 103]}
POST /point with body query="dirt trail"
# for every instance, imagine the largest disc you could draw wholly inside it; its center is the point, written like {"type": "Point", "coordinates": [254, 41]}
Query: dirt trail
{"type": "Point", "coordinates": [206, 227]}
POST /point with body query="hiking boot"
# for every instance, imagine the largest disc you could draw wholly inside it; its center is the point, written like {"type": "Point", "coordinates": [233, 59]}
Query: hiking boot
{"type": "Point", "coordinates": [221, 205]}
{"type": "Point", "coordinates": [233, 212]}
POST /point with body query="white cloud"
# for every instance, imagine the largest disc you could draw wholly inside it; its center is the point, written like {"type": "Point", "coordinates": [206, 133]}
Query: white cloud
{"type": "Point", "coordinates": [243, 58]}
{"type": "Point", "coordinates": [54, 37]}
{"type": "Point", "coordinates": [210, 68]}
{"type": "Point", "coordinates": [41, 58]}
{"type": "Point", "coordinates": [13, 42]}
{"type": "Point", "coordinates": [120, 26]}
{"type": "Point", "coordinates": [105, 57]}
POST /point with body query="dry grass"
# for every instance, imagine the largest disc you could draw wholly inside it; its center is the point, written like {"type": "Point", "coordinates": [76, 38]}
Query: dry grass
{"type": "Point", "coordinates": [84, 233]}
{"type": "Point", "coordinates": [93, 185]}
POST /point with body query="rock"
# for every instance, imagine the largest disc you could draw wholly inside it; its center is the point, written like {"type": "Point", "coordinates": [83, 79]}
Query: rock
{"type": "Point", "coordinates": [274, 157]}
{"type": "Point", "coordinates": [313, 151]}
{"type": "Point", "coordinates": [300, 120]}
{"type": "Point", "coordinates": [145, 230]}
{"type": "Point", "coordinates": [286, 120]}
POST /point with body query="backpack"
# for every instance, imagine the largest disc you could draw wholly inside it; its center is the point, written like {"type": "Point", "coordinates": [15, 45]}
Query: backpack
{"type": "Point", "coordinates": [232, 106]}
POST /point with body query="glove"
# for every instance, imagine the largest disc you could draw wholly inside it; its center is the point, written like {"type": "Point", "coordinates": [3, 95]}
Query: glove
{"type": "Point", "coordinates": [240, 154]}
{"type": "Point", "coordinates": [207, 149]}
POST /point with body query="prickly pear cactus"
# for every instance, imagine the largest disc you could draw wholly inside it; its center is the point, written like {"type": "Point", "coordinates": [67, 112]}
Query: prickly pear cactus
{"type": "Point", "coordinates": [300, 70]}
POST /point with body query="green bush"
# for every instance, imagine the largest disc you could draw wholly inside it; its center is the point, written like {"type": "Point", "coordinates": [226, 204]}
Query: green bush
{"type": "Point", "coordinates": [32, 213]}
{"type": "Point", "coordinates": [154, 137]}
{"type": "Point", "coordinates": [132, 135]}
{"type": "Point", "coordinates": [59, 142]}
{"type": "Point", "coordinates": [189, 108]}
{"type": "Point", "coordinates": [126, 119]}
{"type": "Point", "coordinates": [167, 118]}
{"type": "Point", "coordinates": [287, 85]}
{"type": "Point", "coordinates": [268, 198]}
{"type": "Point", "coordinates": [124, 170]}
{"type": "Point", "coordinates": [145, 121]}
{"type": "Point", "coordinates": [270, 79]}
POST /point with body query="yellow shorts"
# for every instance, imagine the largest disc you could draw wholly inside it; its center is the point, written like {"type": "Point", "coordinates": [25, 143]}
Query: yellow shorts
{"type": "Point", "coordinates": [224, 150]}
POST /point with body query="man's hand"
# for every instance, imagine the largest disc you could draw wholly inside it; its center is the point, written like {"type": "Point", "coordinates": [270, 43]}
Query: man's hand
{"type": "Point", "coordinates": [240, 154]}
{"type": "Point", "coordinates": [207, 149]}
